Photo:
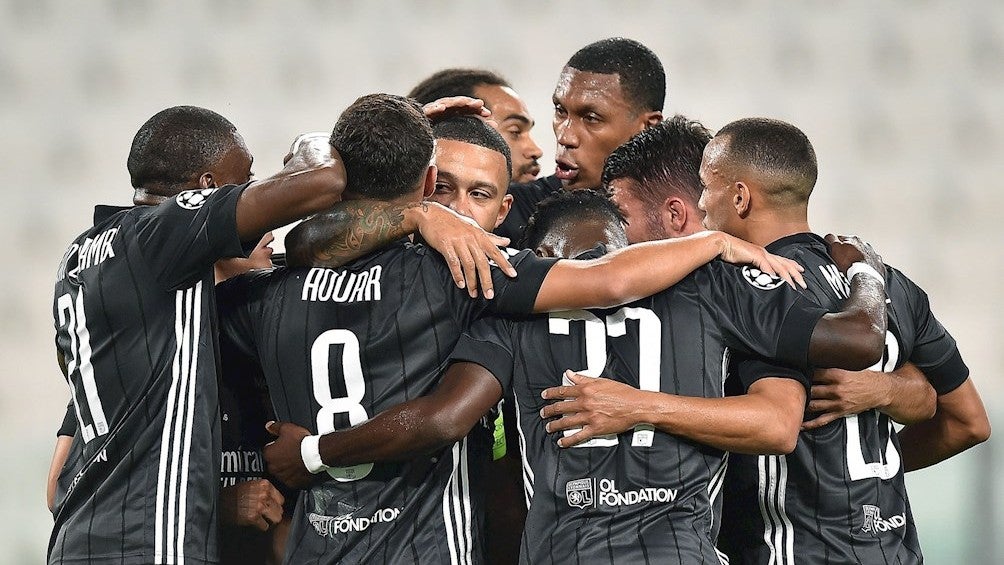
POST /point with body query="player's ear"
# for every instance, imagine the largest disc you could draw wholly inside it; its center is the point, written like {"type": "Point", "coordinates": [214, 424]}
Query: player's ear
{"type": "Point", "coordinates": [206, 180]}
{"type": "Point", "coordinates": [741, 199]}
{"type": "Point", "coordinates": [652, 118]}
{"type": "Point", "coordinates": [674, 215]}
{"type": "Point", "coordinates": [545, 250]}
{"type": "Point", "coordinates": [429, 182]}
{"type": "Point", "coordinates": [504, 209]}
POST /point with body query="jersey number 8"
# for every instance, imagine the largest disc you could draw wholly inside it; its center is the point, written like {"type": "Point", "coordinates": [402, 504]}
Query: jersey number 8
{"type": "Point", "coordinates": [355, 388]}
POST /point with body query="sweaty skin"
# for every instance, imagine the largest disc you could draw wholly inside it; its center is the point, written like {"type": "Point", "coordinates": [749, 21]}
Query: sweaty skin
{"type": "Point", "coordinates": [592, 116]}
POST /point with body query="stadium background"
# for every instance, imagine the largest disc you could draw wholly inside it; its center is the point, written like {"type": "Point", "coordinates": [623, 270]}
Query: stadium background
{"type": "Point", "coordinates": [902, 100]}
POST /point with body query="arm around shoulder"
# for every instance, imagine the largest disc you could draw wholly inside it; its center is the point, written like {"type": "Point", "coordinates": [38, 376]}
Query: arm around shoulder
{"type": "Point", "coordinates": [854, 337]}
{"type": "Point", "coordinates": [311, 181]}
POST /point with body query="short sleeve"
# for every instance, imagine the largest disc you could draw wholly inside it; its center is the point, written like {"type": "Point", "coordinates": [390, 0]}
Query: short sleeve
{"type": "Point", "coordinates": [517, 296]}
{"type": "Point", "coordinates": [767, 318]}
{"type": "Point", "coordinates": [69, 425]}
{"type": "Point", "coordinates": [746, 370]}
{"type": "Point", "coordinates": [183, 236]}
{"type": "Point", "coordinates": [935, 351]}
{"type": "Point", "coordinates": [488, 342]}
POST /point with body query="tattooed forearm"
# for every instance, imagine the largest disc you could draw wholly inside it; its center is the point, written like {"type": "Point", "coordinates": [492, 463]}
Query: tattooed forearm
{"type": "Point", "coordinates": [348, 231]}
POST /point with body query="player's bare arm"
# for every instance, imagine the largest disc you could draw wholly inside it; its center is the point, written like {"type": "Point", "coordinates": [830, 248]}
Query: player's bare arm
{"type": "Point", "coordinates": [960, 422]}
{"type": "Point", "coordinates": [354, 228]}
{"type": "Point", "coordinates": [853, 338]}
{"type": "Point", "coordinates": [59, 455]}
{"type": "Point", "coordinates": [419, 426]}
{"type": "Point", "coordinates": [312, 180]}
{"type": "Point", "coordinates": [765, 420]}
{"type": "Point", "coordinates": [904, 394]}
{"type": "Point", "coordinates": [646, 268]}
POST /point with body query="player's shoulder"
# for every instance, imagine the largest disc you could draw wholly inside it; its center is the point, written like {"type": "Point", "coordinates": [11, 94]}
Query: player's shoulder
{"type": "Point", "coordinates": [901, 288]}
{"type": "Point", "coordinates": [408, 256]}
{"type": "Point", "coordinates": [110, 216]}
{"type": "Point", "coordinates": [407, 261]}
{"type": "Point", "coordinates": [897, 278]}
{"type": "Point", "coordinates": [803, 247]}
{"type": "Point", "coordinates": [253, 280]}
{"type": "Point", "coordinates": [744, 277]}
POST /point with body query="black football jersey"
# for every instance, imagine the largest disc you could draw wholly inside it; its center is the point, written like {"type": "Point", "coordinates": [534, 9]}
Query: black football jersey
{"type": "Point", "coordinates": [642, 496]}
{"type": "Point", "coordinates": [840, 497]}
{"type": "Point", "coordinates": [340, 345]}
{"type": "Point", "coordinates": [135, 321]}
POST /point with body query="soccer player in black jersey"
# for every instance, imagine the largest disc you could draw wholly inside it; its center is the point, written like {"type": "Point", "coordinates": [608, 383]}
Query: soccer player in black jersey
{"type": "Point", "coordinates": [647, 496]}
{"type": "Point", "coordinates": [608, 91]}
{"type": "Point", "coordinates": [339, 346]}
{"type": "Point", "coordinates": [135, 335]}
{"type": "Point", "coordinates": [960, 420]}
{"type": "Point", "coordinates": [840, 496]}
{"type": "Point", "coordinates": [509, 113]}
{"type": "Point", "coordinates": [251, 508]}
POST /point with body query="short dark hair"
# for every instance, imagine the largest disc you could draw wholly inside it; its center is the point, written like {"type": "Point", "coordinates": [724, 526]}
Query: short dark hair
{"type": "Point", "coordinates": [663, 160]}
{"type": "Point", "coordinates": [469, 129]}
{"type": "Point", "coordinates": [569, 207]}
{"type": "Point", "coordinates": [385, 142]}
{"type": "Point", "coordinates": [177, 145]}
{"type": "Point", "coordinates": [454, 82]}
{"type": "Point", "coordinates": [638, 68]}
{"type": "Point", "coordinates": [777, 150]}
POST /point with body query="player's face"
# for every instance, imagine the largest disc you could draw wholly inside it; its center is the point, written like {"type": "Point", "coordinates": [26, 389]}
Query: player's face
{"type": "Point", "coordinates": [716, 198]}
{"type": "Point", "coordinates": [571, 239]}
{"type": "Point", "coordinates": [514, 123]}
{"type": "Point", "coordinates": [639, 228]}
{"type": "Point", "coordinates": [591, 118]}
{"type": "Point", "coordinates": [472, 180]}
{"type": "Point", "coordinates": [235, 167]}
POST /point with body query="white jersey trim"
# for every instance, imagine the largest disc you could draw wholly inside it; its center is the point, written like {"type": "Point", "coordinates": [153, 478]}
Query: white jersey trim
{"type": "Point", "coordinates": [528, 476]}
{"type": "Point", "coordinates": [176, 438]}
{"type": "Point", "coordinates": [778, 530]}
{"type": "Point", "coordinates": [457, 508]}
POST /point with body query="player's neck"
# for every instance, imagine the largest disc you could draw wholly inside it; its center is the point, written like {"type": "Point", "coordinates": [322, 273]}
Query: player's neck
{"type": "Point", "coordinates": [768, 228]}
{"type": "Point", "coordinates": [151, 196]}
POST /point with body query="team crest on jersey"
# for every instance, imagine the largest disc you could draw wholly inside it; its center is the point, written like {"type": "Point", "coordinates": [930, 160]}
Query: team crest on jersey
{"type": "Point", "coordinates": [579, 493]}
{"type": "Point", "coordinates": [194, 199]}
{"type": "Point", "coordinates": [874, 524]}
{"type": "Point", "coordinates": [760, 279]}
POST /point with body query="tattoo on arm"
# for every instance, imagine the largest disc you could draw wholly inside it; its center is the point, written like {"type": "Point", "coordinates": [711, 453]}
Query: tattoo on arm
{"type": "Point", "coordinates": [348, 231]}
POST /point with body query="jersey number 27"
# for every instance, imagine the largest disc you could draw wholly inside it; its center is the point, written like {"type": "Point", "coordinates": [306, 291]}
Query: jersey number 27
{"type": "Point", "coordinates": [596, 332]}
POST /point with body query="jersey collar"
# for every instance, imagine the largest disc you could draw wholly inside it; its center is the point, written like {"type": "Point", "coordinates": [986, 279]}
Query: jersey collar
{"type": "Point", "coordinates": [804, 238]}
{"type": "Point", "coordinates": [102, 212]}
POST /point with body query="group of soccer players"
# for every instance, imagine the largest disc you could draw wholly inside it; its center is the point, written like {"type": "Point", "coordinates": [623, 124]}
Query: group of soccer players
{"type": "Point", "coordinates": [619, 384]}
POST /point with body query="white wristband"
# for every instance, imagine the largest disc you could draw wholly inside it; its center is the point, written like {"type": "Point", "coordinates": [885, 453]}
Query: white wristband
{"type": "Point", "coordinates": [861, 268]}
{"type": "Point", "coordinates": [311, 454]}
